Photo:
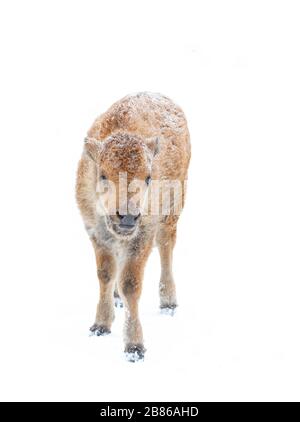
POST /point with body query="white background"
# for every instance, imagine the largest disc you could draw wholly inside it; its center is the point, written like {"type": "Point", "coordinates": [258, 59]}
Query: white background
{"type": "Point", "coordinates": [234, 68]}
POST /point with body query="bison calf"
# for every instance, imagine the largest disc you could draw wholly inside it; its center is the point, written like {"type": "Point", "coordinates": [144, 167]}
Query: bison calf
{"type": "Point", "coordinates": [130, 191]}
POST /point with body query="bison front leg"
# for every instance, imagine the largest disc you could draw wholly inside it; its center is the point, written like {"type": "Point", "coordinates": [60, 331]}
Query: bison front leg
{"type": "Point", "coordinates": [166, 239]}
{"type": "Point", "coordinates": [130, 288]}
{"type": "Point", "coordinates": [106, 270]}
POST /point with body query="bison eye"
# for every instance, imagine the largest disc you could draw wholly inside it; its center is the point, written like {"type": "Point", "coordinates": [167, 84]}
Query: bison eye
{"type": "Point", "coordinates": [103, 177]}
{"type": "Point", "coordinates": [147, 180]}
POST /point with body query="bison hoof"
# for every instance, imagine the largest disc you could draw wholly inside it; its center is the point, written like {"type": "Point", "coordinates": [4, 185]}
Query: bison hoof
{"type": "Point", "coordinates": [99, 330]}
{"type": "Point", "coordinates": [135, 352]}
{"type": "Point", "coordinates": [118, 302]}
{"type": "Point", "coordinates": [168, 309]}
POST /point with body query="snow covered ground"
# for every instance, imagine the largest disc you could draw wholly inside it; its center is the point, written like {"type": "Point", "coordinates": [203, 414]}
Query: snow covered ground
{"type": "Point", "coordinates": [234, 68]}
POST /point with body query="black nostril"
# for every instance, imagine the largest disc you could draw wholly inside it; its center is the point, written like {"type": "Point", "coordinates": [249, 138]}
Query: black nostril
{"type": "Point", "coordinates": [137, 216]}
{"type": "Point", "coordinates": [119, 215]}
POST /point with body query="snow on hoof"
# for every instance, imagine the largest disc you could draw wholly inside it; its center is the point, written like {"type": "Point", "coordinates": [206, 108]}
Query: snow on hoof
{"type": "Point", "coordinates": [168, 309]}
{"type": "Point", "coordinates": [99, 330]}
{"type": "Point", "coordinates": [118, 302]}
{"type": "Point", "coordinates": [135, 353]}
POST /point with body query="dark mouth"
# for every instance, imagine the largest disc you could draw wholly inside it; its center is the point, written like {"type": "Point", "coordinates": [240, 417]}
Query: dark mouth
{"type": "Point", "coordinates": [121, 229]}
{"type": "Point", "coordinates": [126, 227]}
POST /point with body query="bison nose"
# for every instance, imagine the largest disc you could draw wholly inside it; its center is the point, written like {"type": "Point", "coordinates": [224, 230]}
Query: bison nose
{"type": "Point", "coordinates": [128, 220]}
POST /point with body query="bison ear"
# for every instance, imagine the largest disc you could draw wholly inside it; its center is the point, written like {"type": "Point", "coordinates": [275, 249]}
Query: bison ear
{"type": "Point", "coordinates": [153, 145]}
{"type": "Point", "coordinates": [92, 148]}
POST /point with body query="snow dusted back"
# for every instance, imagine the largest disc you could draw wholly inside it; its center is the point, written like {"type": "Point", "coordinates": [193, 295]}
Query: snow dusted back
{"type": "Point", "coordinates": [234, 69]}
